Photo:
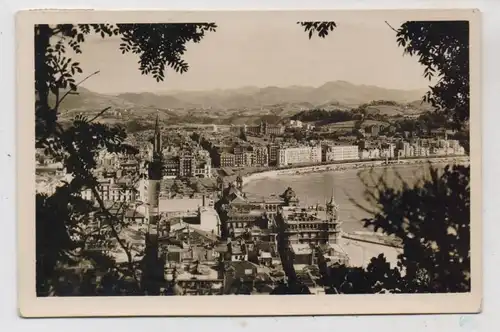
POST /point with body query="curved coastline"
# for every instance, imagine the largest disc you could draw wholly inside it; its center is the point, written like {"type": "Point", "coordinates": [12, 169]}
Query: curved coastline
{"type": "Point", "coordinates": [350, 165]}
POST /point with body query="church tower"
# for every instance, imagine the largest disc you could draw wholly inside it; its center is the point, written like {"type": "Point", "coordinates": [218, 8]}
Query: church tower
{"type": "Point", "coordinates": [153, 273]}
{"type": "Point", "coordinates": [332, 220]}
{"type": "Point", "coordinates": [332, 208]}
{"type": "Point", "coordinates": [239, 183]}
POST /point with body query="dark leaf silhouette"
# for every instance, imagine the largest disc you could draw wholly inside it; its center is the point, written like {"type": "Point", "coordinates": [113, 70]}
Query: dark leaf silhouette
{"type": "Point", "coordinates": [66, 228]}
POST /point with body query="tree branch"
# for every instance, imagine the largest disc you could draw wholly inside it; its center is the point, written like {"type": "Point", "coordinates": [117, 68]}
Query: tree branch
{"type": "Point", "coordinates": [108, 214]}
{"type": "Point", "coordinates": [390, 26]}
{"type": "Point", "coordinates": [69, 91]}
{"type": "Point", "coordinates": [99, 114]}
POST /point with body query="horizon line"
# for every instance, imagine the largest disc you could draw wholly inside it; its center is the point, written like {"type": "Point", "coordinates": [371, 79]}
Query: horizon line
{"type": "Point", "coordinates": [174, 91]}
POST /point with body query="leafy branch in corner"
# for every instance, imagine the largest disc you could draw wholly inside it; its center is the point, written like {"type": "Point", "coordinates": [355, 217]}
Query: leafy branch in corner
{"type": "Point", "coordinates": [320, 28]}
{"type": "Point", "coordinates": [158, 47]}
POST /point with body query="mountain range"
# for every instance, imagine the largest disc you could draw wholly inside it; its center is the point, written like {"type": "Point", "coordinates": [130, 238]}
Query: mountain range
{"type": "Point", "coordinates": [275, 100]}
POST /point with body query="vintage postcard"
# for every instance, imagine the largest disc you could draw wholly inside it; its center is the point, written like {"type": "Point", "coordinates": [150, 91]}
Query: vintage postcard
{"type": "Point", "coordinates": [283, 162]}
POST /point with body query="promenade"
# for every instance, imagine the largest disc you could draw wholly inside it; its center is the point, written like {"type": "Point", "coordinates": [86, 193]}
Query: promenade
{"type": "Point", "coordinates": [349, 165]}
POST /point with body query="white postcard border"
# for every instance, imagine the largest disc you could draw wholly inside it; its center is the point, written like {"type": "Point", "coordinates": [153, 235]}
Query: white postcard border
{"type": "Point", "coordinates": [232, 305]}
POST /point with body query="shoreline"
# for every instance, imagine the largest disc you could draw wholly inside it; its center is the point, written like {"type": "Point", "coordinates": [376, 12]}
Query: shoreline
{"type": "Point", "coordinates": [352, 165]}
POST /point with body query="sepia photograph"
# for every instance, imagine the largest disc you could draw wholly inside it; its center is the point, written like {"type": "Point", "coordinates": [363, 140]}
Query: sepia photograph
{"type": "Point", "coordinates": [200, 163]}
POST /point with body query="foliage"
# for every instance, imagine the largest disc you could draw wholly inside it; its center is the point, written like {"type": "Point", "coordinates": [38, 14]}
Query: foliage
{"type": "Point", "coordinates": [321, 28]}
{"type": "Point", "coordinates": [378, 277]}
{"type": "Point", "coordinates": [324, 116]}
{"type": "Point", "coordinates": [134, 126]}
{"type": "Point", "coordinates": [158, 46]}
{"type": "Point", "coordinates": [442, 48]}
{"type": "Point", "coordinates": [432, 219]}
{"type": "Point", "coordinates": [54, 241]}
{"type": "Point", "coordinates": [243, 136]}
{"type": "Point", "coordinates": [382, 102]}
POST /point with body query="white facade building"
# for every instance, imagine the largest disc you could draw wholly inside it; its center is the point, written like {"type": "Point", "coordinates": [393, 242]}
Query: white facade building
{"type": "Point", "coordinates": [339, 153]}
{"type": "Point", "coordinates": [299, 155]}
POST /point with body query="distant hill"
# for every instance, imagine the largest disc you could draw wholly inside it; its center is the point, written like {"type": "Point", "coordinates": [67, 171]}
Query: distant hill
{"type": "Point", "coordinates": [249, 102]}
{"type": "Point", "coordinates": [87, 100]}
{"type": "Point", "coordinates": [338, 93]}
{"type": "Point", "coordinates": [391, 108]}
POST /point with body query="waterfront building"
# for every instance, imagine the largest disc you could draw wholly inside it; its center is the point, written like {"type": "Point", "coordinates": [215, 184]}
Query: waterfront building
{"type": "Point", "coordinates": [272, 151]}
{"type": "Point", "coordinates": [239, 214]}
{"type": "Point", "coordinates": [340, 152]}
{"type": "Point", "coordinates": [406, 150]}
{"type": "Point", "coordinates": [310, 225]}
{"type": "Point", "coordinates": [299, 155]}
{"type": "Point", "coordinates": [368, 154]}
{"type": "Point", "coordinates": [242, 157]}
{"type": "Point", "coordinates": [420, 151]}
{"type": "Point", "coordinates": [260, 156]}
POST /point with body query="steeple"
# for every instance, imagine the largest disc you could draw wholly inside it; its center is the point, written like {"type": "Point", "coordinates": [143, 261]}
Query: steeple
{"type": "Point", "coordinates": [157, 148]}
{"type": "Point", "coordinates": [331, 206]}
{"type": "Point", "coordinates": [239, 182]}
{"type": "Point", "coordinates": [153, 274]}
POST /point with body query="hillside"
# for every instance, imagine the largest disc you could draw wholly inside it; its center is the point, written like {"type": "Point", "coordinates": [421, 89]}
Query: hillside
{"type": "Point", "coordinates": [338, 93]}
{"type": "Point", "coordinates": [397, 109]}
{"type": "Point", "coordinates": [243, 105]}
{"type": "Point", "coordinates": [87, 100]}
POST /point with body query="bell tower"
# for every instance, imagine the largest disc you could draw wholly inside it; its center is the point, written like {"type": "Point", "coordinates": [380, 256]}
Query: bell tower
{"type": "Point", "coordinates": [153, 273]}
{"type": "Point", "coordinates": [332, 207]}
{"type": "Point", "coordinates": [332, 224]}
{"type": "Point", "coordinates": [239, 183]}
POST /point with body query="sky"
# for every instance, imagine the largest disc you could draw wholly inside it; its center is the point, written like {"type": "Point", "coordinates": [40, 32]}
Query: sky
{"type": "Point", "coordinates": [269, 54]}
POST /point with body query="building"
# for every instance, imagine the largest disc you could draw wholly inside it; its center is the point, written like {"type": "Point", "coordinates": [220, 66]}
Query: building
{"type": "Point", "coordinates": [187, 164]}
{"type": "Point", "coordinates": [272, 152]}
{"type": "Point", "coordinates": [242, 157]}
{"type": "Point", "coordinates": [299, 155]}
{"type": "Point", "coordinates": [241, 220]}
{"type": "Point", "coordinates": [405, 150]}
{"type": "Point", "coordinates": [265, 129]}
{"type": "Point", "coordinates": [240, 215]}
{"type": "Point", "coordinates": [373, 130]}
{"type": "Point", "coordinates": [370, 153]}
{"type": "Point", "coordinates": [388, 151]}
{"type": "Point", "coordinates": [295, 124]}
{"type": "Point", "coordinates": [110, 190]}
{"type": "Point", "coordinates": [171, 167]}
{"type": "Point", "coordinates": [340, 152]}
{"type": "Point", "coordinates": [313, 226]}
{"type": "Point", "coordinates": [260, 156]}
{"type": "Point", "coordinates": [129, 215]}
{"type": "Point", "coordinates": [225, 159]}
{"type": "Point", "coordinates": [420, 151]}
{"type": "Point", "coordinates": [129, 167]}
{"type": "Point", "coordinates": [203, 169]}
